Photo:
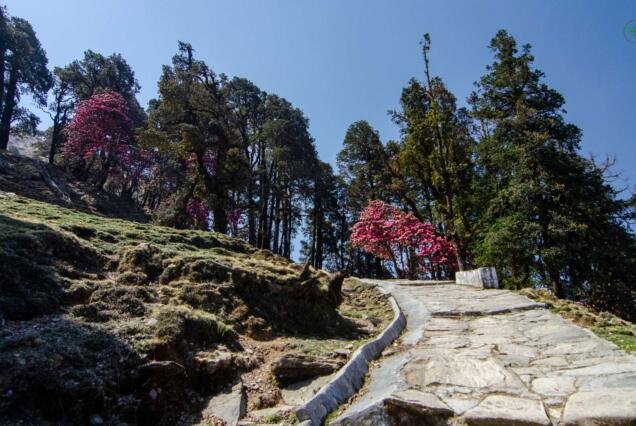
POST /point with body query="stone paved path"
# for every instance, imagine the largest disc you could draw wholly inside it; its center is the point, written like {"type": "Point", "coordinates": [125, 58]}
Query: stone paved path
{"type": "Point", "coordinates": [493, 357]}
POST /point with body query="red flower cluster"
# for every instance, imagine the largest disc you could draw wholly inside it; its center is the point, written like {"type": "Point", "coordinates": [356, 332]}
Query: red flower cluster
{"type": "Point", "coordinates": [101, 127]}
{"type": "Point", "coordinates": [234, 219]}
{"type": "Point", "coordinates": [198, 213]}
{"type": "Point", "coordinates": [387, 232]}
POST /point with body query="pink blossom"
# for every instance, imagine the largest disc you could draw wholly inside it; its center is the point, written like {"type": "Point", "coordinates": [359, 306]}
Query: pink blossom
{"type": "Point", "coordinates": [198, 213]}
{"type": "Point", "coordinates": [385, 231]}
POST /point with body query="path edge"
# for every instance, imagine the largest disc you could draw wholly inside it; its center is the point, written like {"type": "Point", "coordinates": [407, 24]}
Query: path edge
{"type": "Point", "coordinates": [350, 377]}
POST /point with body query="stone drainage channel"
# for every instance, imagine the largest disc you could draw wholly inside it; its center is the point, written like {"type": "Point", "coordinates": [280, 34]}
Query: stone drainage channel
{"type": "Point", "coordinates": [477, 356]}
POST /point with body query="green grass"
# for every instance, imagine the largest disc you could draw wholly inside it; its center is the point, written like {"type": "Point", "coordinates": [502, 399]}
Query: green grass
{"type": "Point", "coordinates": [109, 236]}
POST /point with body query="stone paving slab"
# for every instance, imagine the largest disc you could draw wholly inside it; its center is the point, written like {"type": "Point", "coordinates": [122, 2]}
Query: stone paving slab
{"type": "Point", "coordinates": [492, 357]}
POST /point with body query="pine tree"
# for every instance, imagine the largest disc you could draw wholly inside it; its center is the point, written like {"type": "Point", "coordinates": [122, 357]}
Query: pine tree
{"type": "Point", "coordinates": [436, 155]}
{"type": "Point", "coordinates": [23, 69]}
{"type": "Point", "coordinates": [549, 217]}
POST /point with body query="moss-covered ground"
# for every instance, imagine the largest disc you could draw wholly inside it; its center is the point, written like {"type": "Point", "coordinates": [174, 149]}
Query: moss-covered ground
{"type": "Point", "coordinates": [132, 323]}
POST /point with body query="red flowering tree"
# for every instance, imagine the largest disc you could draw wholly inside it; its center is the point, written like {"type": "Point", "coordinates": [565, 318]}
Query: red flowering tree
{"type": "Point", "coordinates": [198, 214]}
{"type": "Point", "coordinates": [410, 245]}
{"type": "Point", "coordinates": [100, 135]}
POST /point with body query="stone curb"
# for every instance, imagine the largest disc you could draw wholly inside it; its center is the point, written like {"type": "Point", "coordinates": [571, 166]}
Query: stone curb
{"type": "Point", "coordinates": [350, 377]}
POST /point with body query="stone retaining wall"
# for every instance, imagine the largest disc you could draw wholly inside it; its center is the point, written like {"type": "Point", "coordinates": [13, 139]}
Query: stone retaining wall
{"type": "Point", "coordinates": [350, 377]}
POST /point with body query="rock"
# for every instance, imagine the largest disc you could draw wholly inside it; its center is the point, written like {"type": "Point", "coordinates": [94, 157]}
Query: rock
{"type": "Point", "coordinates": [159, 384]}
{"type": "Point", "coordinates": [258, 329]}
{"type": "Point", "coordinates": [505, 410]}
{"type": "Point", "coordinates": [264, 415]}
{"type": "Point", "coordinates": [553, 386]}
{"type": "Point", "coordinates": [611, 406]}
{"type": "Point", "coordinates": [460, 371]}
{"type": "Point", "coordinates": [306, 271]}
{"type": "Point", "coordinates": [334, 287]}
{"type": "Point", "coordinates": [341, 353]}
{"type": "Point", "coordinates": [299, 392]}
{"type": "Point", "coordinates": [295, 367]}
{"type": "Point", "coordinates": [602, 369]}
{"type": "Point", "coordinates": [590, 383]}
{"type": "Point", "coordinates": [424, 403]}
{"type": "Point", "coordinates": [374, 415]}
{"type": "Point", "coordinates": [229, 406]}
{"type": "Point", "coordinates": [460, 405]}
{"type": "Point", "coordinates": [210, 364]}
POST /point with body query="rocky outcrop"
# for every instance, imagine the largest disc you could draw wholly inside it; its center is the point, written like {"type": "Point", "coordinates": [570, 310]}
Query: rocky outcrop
{"type": "Point", "coordinates": [292, 368]}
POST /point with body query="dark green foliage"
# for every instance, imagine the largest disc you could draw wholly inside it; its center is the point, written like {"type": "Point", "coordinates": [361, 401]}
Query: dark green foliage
{"type": "Point", "coordinates": [363, 167]}
{"type": "Point", "coordinates": [549, 218]}
{"type": "Point", "coordinates": [328, 222]}
{"type": "Point", "coordinates": [96, 73]}
{"type": "Point", "coordinates": [435, 158]}
{"type": "Point", "coordinates": [22, 70]}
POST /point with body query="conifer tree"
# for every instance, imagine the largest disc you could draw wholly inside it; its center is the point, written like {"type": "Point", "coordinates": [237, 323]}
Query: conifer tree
{"type": "Point", "coordinates": [550, 218]}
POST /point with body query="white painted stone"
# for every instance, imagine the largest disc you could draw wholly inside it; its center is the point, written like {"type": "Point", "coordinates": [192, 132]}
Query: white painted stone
{"type": "Point", "coordinates": [506, 410]}
{"type": "Point", "coordinates": [481, 277]}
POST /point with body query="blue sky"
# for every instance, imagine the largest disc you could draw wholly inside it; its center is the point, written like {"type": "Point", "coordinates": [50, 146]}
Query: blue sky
{"type": "Point", "coordinates": [342, 61]}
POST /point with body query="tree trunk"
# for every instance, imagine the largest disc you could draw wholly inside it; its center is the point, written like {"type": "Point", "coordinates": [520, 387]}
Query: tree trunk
{"type": "Point", "coordinates": [3, 53]}
{"type": "Point", "coordinates": [276, 243]}
{"type": "Point", "coordinates": [270, 221]}
{"type": "Point", "coordinates": [288, 200]}
{"type": "Point", "coordinates": [460, 254]}
{"type": "Point", "coordinates": [557, 284]}
{"type": "Point", "coordinates": [55, 136]}
{"type": "Point", "coordinates": [251, 216]}
{"type": "Point", "coordinates": [7, 111]}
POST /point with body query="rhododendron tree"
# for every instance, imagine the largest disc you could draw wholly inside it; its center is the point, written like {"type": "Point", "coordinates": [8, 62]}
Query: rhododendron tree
{"type": "Point", "coordinates": [100, 135]}
{"type": "Point", "coordinates": [198, 214]}
{"type": "Point", "coordinates": [412, 246]}
{"type": "Point", "coordinates": [234, 220]}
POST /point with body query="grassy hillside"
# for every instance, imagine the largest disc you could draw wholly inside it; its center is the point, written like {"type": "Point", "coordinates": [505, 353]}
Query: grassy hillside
{"type": "Point", "coordinates": [138, 323]}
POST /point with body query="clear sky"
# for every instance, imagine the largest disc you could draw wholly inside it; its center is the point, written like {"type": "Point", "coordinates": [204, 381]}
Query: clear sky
{"type": "Point", "coordinates": [341, 61]}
